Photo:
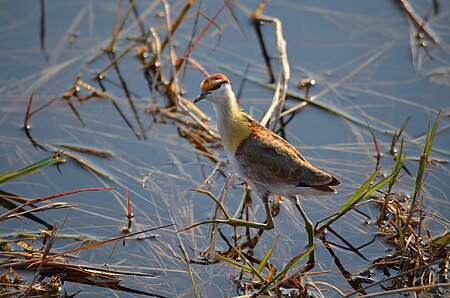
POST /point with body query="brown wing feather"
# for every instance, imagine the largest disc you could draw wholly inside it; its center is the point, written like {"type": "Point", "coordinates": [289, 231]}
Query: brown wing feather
{"type": "Point", "coordinates": [279, 164]}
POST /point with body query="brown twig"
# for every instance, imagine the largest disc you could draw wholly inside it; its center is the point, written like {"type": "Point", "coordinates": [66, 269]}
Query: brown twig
{"type": "Point", "coordinates": [43, 258]}
{"type": "Point", "coordinates": [93, 151]}
{"type": "Point", "coordinates": [50, 197]}
{"type": "Point", "coordinates": [377, 148]}
{"type": "Point", "coordinates": [101, 243]}
{"type": "Point", "coordinates": [26, 120]}
{"type": "Point", "coordinates": [26, 125]}
{"type": "Point", "coordinates": [129, 213]}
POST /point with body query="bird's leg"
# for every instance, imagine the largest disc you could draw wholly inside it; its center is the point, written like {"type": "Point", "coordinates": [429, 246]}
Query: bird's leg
{"type": "Point", "coordinates": [270, 224]}
{"type": "Point", "coordinates": [234, 222]}
{"type": "Point", "coordinates": [309, 228]}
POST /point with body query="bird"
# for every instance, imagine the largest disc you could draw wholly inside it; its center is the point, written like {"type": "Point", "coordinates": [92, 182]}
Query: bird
{"type": "Point", "coordinates": [266, 161]}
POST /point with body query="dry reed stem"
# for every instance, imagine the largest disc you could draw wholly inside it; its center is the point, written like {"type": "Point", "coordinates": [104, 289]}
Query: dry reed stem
{"type": "Point", "coordinates": [85, 247]}
{"type": "Point", "coordinates": [282, 84]}
{"type": "Point", "coordinates": [49, 245]}
{"type": "Point", "coordinates": [156, 48]}
{"type": "Point", "coordinates": [173, 27]}
{"type": "Point", "coordinates": [93, 151]}
{"type": "Point", "coordinates": [26, 124]}
{"type": "Point", "coordinates": [188, 264]}
{"type": "Point", "coordinates": [50, 197]}
{"type": "Point", "coordinates": [172, 89]}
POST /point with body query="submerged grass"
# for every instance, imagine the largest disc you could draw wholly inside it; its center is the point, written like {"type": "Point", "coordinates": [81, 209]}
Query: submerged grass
{"type": "Point", "coordinates": [60, 267]}
{"type": "Point", "coordinates": [418, 259]}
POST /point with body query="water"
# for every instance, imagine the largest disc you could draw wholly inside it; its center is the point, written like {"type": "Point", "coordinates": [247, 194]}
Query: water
{"type": "Point", "coordinates": [362, 57]}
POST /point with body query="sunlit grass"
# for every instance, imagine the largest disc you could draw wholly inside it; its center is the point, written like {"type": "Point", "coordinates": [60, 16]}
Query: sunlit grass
{"type": "Point", "coordinates": [247, 256]}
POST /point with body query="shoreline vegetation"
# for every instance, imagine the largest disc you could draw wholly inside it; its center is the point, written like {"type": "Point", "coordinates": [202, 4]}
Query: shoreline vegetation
{"type": "Point", "coordinates": [417, 263]}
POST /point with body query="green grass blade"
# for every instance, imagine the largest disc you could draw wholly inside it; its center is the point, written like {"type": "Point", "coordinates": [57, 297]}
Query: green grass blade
{"type": "Point", "coordinates": [425, 155]}
{"type": "Point", "coordinates": [433, 133]}
{"type": "Point", "coordinates": [403, 127]}
{"type": "Point", "coordinates": [48, 161]}
{"type": "Point", "coordinates": [398, 134]}
{"type": "Point", "coordinates": [399, 162]}
{"type": "Point", "coordinates": [234, 263]}
{"type": "Point", "coordinates": [442, 240]}
{"type": "Point", "coordinates": [33, 165]}
{"type": "Point", "coordinates": [246, 260]}
{"type": "Point", "coordinates": [373, 189]}
{"type": "Point", "coordinates": [419, 176]}
{"type": "Point", "coordinates": [361, 193]}
{"type": "Point", "coordinates": [267, 256]}
{"type": "Point", "coordinates": [285, 270]}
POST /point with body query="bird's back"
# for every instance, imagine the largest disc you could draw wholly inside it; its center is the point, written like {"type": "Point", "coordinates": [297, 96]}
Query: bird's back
{"type": "Point", "coordinates": [270, 164]}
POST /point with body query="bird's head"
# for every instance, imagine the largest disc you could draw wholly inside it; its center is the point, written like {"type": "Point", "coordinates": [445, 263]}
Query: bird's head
{"type": "Point", "coordinates": [215, 88]}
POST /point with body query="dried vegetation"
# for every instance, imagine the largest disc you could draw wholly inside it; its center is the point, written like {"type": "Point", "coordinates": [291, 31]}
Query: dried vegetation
{"type": "Point", "coordinates": [418, 263]}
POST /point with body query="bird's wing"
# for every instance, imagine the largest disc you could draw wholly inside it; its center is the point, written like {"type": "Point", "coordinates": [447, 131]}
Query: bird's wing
{"type": "Point", "coordinates": [271, 159]}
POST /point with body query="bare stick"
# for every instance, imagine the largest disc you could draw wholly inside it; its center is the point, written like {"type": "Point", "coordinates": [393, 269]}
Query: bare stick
{"type": "Point", "coordinates": [282, 84]}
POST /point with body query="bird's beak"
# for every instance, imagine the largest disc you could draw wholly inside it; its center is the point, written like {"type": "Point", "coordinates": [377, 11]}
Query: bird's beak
{"type": "Point", "coordinates": [201, 96]}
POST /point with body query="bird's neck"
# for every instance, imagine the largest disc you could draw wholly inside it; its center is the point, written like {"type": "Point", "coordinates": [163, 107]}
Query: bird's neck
{"type": "Point", "coordinates": [232, 123]}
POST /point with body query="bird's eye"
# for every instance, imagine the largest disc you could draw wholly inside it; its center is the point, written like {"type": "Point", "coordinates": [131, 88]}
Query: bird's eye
{"type": "Point", "coordinates": [219, 84]}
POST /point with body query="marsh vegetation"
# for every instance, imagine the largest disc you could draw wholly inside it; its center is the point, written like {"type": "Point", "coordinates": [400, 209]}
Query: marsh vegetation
{"type": "Point", "coordinates": [107, 166]}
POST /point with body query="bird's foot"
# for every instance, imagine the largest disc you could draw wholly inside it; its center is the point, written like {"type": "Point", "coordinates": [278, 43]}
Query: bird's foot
{"type": "Point", "coordinates": [234, 222]}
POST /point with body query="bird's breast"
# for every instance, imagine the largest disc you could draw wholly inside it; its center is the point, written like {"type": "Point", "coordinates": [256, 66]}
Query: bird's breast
{"type": "Point", "coordinates": [233, 131]}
